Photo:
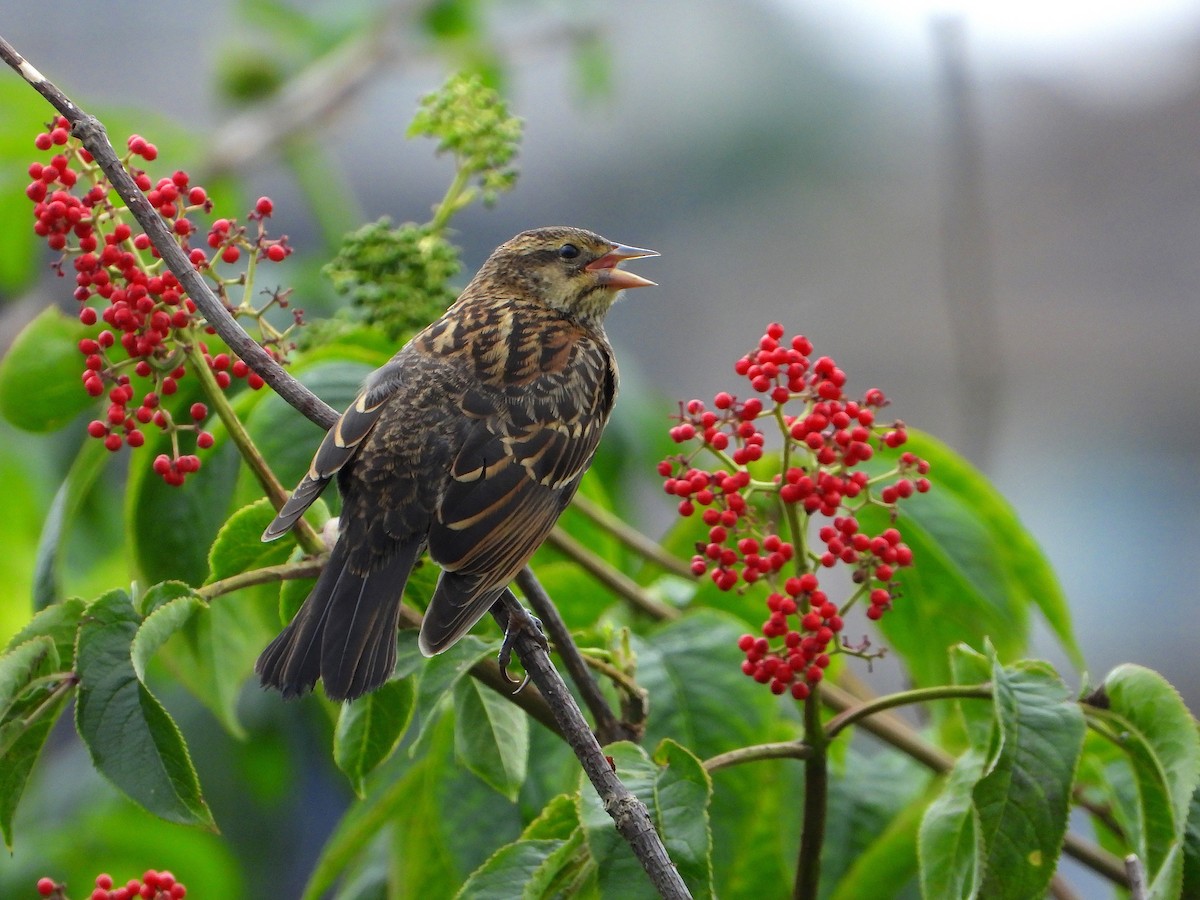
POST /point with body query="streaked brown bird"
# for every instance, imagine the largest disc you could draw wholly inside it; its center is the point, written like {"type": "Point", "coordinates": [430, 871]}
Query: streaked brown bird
{"type": "Point", "coordinates": [469, 442]}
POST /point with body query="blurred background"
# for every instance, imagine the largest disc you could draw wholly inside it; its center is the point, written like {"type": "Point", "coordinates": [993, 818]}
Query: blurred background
{"type": "Point", "coordinates": [990, 210]}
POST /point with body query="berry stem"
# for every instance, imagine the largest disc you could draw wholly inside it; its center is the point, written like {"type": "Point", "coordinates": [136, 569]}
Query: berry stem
{"type": "Point", "coordinates": [305, 536]}
{"type": "Point", "coordinates": [902, 698]}
{"type": "Point", "coordinates": [307, 568]}
{"type": "Point", "coordinates": [816, 799]}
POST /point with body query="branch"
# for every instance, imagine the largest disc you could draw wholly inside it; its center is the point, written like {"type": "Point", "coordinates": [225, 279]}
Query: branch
{"type": "Point", "coordinates": [779, 750]}
{"type": "Point", "coordinates": [627, 811]}
{"type": "Point", "coordinates": [903, 698]}
{"type": "Point", "coordinates": [608, 728]}
{"type": "Point", "coordinates": [646, 547]}
{"type": "Point", "coordinates": [613, 579]}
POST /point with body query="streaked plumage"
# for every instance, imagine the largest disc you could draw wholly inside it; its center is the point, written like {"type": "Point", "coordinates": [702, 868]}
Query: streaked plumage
{"type": "Point", "coordinates": [469, 442]}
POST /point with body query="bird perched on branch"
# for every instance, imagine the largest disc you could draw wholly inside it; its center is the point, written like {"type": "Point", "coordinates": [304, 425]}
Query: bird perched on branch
{"type": "Point", "coordinates": [469, 442]}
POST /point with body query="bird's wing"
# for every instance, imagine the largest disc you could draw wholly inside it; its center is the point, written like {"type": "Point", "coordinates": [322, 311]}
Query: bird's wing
{"type": "Point", "coordinates": [519, 465]}
{"type": "Point", "coordinates": [340, 445]}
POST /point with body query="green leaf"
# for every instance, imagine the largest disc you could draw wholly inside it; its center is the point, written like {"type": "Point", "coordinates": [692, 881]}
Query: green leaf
{"type": "Point", "coordinates": [171, 528]}
{"type": "Point", "coordinates": [59, 622]}
{"type": "Point", "coordinates": [527, 869]}
{"type": "Point", "coordinates": [160, 624]}
{"type": "Point", "coordinates": [1145, 716]}
{"type": "Point", "coordinates": [1024, 799]}
{"type": "Point", "coordinates": [443, 821]}
{"type": "Point", "coordinates": [88, 464]}
{"type": "Point", "coordinates": [1191, 850]}
{"type": "Point", "coordinates": [681, 797]}
{"type": "Point", "coordinates": [26, 717]}
{"type": "Point", "coordinates": [491, 736]}
{"type": "Point", "coordinates": [239, 547]}
{"type": "Point", "coordinates": [160, 595]}
{"type": "Point", "coordinates": [692, 671]}
{"type": "Point", "coordinates": [20, 666]}
{"type": "Point", "coordinates": [132, 740]}
{"type": "Point", "coordinates": [619, 874]}
{"type": "Point", "coordinates": [888, 862]}
{"type": "Point", "coordinates": [998, 826]}
{"type": "Point", "coordinates": [868, 852]}
{"type": "Point", "coordinates": [39, 375]}
{"type": "Point", "coordinates": [438, 678]}
{"type": "Point", "coordinates": [948, 844]}
{"type": "Point", "coordinates": [549, 854]}
{"type": "Point", "coordinates": [976, 569]}
{"type": "Point", "coordinates": [369, 728]}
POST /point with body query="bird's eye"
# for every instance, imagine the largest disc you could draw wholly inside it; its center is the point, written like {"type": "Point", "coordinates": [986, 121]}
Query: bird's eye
{"type": "Point", "coordinates": [568, 251]}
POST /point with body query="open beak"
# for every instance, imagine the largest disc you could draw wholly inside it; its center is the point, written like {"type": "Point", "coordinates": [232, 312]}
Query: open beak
{"type": "Point", "coordinates": [618, 279]}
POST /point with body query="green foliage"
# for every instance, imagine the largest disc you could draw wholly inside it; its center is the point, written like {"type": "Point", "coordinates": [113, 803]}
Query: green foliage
{"type": "Point", "coordinates": [471, 122]}
{"type": "Point", "coordinates": [397, 280]}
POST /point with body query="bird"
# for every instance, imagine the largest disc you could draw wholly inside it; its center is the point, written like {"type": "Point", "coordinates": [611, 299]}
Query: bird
{"type": "Point", "coordinates": [468, 443]}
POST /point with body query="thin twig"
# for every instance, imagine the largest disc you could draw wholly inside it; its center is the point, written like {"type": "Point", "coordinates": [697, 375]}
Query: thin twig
{"type": "Point", "coordinates": [1137, 877]}
{"type": "Point", "coordinates": [308, 568]}
{"type": "Point", "coordinates": [644, 546]}
{"type": "Point", "coordinates": [613, 579]}
{"type": "Point", "coordinates": [1060, 890]}
{"type": "Point", "coordinates": [756, 752]}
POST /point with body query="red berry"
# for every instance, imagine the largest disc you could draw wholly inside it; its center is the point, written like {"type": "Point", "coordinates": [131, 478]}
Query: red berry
{"type": "Point", "coordinates": [231, 254]}
{"type": "Point", "coordinates": [276, 253]}
{"type": "Point", "coordinates": [204, 440]}
{"type": "Point", "coordinates": [104, 880]}
{"type": "Point", "coordinates": [46, 886]}
{"type": "Point", "coordinates": [264, 206]}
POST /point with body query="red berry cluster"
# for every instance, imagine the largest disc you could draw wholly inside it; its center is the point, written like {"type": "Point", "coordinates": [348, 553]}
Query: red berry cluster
{"type": "Point", "coordinates": [153, 885]}
{"type": "Point", "coordinates": [147, 323]}
{"type": "Point", "coordinates": [826, 437]}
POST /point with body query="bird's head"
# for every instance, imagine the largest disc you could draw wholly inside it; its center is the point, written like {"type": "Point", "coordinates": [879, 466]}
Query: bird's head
{"type": "Point", "coordinates": [570, 269]}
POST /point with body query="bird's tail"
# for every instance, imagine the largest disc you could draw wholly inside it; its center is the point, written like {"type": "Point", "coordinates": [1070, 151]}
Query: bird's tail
{"type": "Point", "coordinates": [345, 632]}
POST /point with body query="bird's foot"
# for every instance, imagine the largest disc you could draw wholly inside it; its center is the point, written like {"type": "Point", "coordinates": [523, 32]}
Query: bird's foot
{"type": "Point", "coordinates": [520, 620]}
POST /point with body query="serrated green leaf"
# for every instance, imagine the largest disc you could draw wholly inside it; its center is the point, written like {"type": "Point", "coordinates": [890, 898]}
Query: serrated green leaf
{"type": "Point", "coordinates": [239, 548]}
{"type": "Point", "coordinates": [438, 678]}
{"type": "Point", "coordinates": [949, 849]}
{"type": "Point", "coordinates": [976, 570]}
{"type": "Point", "coordinates": [39, 375]}
{"type": "Point", "coordinates": [131, 738]}
{"type": "Point", "coordinates": [491, 736]}
{"type": "Point", "coordinates": [28, 716]}
{"type": "Point", "coordinates": [158, 627]}
{"type": "Point", "coordinates": [160, 595]}
{"type": "Point", "coordinates": [1024, 799]}
{"type": "Point", "coordinates": [692, 671]}
{"type": "Point", "coordinates": [526, 869]}
{"type": "Point", "coordinates": [444, 823]}
{"type": "Point", "coordinates": [998, 826]}
{"type": "Point", "coordinates": [20, 665]}
{"type": "Point", "coordinates": [1148, 720]}
{"type": "Point", "coordinates": [59, 622]}
{"type": "Point", "coordinates": [369, 728]}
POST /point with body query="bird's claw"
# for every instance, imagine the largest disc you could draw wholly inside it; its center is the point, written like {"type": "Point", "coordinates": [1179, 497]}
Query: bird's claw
{"type": "Point", "coordinates": [518, 622]}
